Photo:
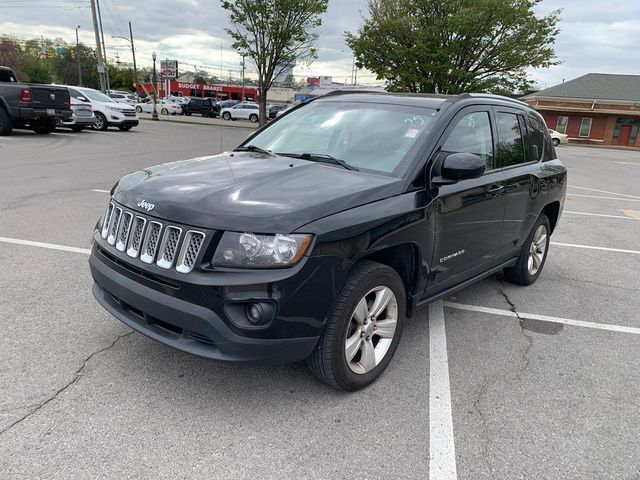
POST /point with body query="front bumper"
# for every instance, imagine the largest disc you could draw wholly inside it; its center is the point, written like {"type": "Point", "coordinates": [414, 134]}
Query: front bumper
{"type": "Point", "coordinates": [117, 119]}
{"type": "Point", "coordinates": [192, 316]}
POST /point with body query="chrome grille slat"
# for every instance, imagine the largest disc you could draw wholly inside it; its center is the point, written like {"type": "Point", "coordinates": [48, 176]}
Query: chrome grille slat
{"type": "Point", "coordinates": [151, 240]}
{"type": "Point", "coordinates": [123, 231]}
{"type": "Point", "coordinates": [114, 222]}
{"type": "Point", "coordinates": [191, 245]}
{"type": "Point", "coordinates": [169, 246]}
{"type": "Point", "coordinates": [106, 220]}
{"type": "Point", "coordinates": [135, 239]}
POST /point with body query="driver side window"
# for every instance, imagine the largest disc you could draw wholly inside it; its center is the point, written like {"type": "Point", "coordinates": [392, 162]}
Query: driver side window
{"type": "Point", "coordinates": [472, 134]}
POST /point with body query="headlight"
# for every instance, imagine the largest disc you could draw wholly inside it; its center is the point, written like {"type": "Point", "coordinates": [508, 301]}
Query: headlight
{"type": "Point", "coordinates": [251, 250]}
{"type": "Point", "coordinates": [115, 109]}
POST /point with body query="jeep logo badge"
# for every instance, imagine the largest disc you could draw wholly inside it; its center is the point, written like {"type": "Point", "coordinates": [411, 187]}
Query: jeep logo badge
{"type": "Point", "coordinates": [146, 205]}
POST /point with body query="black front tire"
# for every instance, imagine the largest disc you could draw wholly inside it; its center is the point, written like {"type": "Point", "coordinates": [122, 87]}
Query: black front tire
{"type": "Point", "coordinates": [226, 116]}
{"type": "Point", "coordinates": [555, 142]}
{"type": "Point", "coordinates": [44, 126]}
{"type": "Point", "coordinates": [6, 124]}
{"type": "Point", "coordinates": [101, 122]}
{"type": "Point", "coordinates": [521, 273]}
{"type": "Point", "coordinates": [328, 361]}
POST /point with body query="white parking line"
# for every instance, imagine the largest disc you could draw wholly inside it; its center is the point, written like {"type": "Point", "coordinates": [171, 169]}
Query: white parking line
{"type": "Point", "coordinates": [596, 215]}
{"type": "Point", "coordinates": [442, 451]}
{"type": "Point", "coordinates": [591, 247]}
{"type": "Point", "coordinates": [544, 318]}
{"type": "Point", "coordinates": [51, 246]}
{"type": "Point", "coordinates": [100, 191]}
{"type": "Point", "coordinates": [628, 163]}
{"type": "Point", "coordinates": [605, 191]}
{"type": "Point", "coordinates": [604, 198]}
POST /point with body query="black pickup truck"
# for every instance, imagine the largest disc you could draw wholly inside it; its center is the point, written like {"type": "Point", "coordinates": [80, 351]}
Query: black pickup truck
{"type": "Point", "coordinates": [317, 236]}
{"type": "Point", "coordinates": [32, 105]}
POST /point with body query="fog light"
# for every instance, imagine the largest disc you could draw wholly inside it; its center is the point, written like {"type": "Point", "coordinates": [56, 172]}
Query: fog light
{"type": "Point", "coordinates": [255, 313]}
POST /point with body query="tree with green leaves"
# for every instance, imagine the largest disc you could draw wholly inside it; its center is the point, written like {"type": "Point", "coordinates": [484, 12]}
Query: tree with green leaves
{"type": "Point", "coordinates": [274, 34]}
{"type": "Point", "coordinates": [455, 46]}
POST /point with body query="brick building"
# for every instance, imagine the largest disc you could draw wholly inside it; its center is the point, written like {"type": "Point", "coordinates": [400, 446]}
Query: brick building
{"type": "Point", "coordinates": [597, 108]}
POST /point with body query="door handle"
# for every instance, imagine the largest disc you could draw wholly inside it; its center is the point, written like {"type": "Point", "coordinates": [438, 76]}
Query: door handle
{"type": "Point", "coordinates": [494, 190]}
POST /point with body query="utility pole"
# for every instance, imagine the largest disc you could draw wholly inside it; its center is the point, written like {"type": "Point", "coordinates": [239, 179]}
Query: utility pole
{"type": "Point", "coordinates": [103, 84]}
{"type": "Point", "coordinates": [104, 48]}
{"type": "Point", "coordinates": [243, 66]}
{"type": "Point", "coordinates": [135, 69]}
{"type": "Point", "coordinates": [78, 58]}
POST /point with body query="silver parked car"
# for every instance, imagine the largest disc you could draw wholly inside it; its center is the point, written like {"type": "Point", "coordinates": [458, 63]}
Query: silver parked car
{"type": "Point", "coordinates": [81, 117]}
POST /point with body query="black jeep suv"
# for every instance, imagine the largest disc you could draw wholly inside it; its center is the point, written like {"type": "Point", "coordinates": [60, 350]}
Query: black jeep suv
{"type": "Point", "coordinates": [316, 237]}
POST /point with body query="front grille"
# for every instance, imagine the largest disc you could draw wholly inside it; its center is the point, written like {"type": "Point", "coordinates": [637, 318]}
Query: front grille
{"type": "Point", "coordinates": [150, 240]}
{"type": "Point", "coordinates": [189, 253]}
{"type": "Point", "coordinates": [129, 113]}
{"type": "Point", "coordinates": [123, 231]}
{"type": "Point", "coordinates": [169, 247]}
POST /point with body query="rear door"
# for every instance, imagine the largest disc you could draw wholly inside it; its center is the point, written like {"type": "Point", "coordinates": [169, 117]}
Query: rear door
{"type": "Point", "coordinates": [468, 214]}
{"type": "Point", "coordinates": [518, 158]}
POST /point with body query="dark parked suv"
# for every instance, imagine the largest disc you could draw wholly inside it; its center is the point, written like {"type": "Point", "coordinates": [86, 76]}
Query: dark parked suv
{"type": "Point", "coordinates": [204, 106]}
{"type": "Point", "coordinates": [323, 231]}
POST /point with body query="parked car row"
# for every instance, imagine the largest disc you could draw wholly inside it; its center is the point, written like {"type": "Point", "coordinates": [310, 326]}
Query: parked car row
{"type": "Point", "coordinates": [43, 108]}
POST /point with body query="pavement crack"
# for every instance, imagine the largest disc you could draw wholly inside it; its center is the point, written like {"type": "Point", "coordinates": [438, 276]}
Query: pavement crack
{"type": "Point", "coordinates": [76, 377]}
{"type": "Point", "coordinates": [485, 429]}
{"type": "Point", "coordinates": [524, 353]}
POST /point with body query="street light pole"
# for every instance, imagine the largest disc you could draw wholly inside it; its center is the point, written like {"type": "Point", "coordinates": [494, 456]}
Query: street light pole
{"type": "Point", "coordinates": [78, 58]}
{"type": "Point", "coordinates": [133, 54]}
{"type": "Point", "coordinates": [154, 115]}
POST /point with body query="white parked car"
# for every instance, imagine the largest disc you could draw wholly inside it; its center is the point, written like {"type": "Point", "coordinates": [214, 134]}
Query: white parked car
{"type": "Point", "coordinates": [282, 112]}
{"type": "Point", "coordinates": [164, 107]}
{"type": "Point", "coordinates": [122, 97]}
{"type": "Point", "coordinates": [557, 138]}
{"type": "Point", "coordinates": [243, 111]}
{"type": "Point", "coordinates": [108, 112]}
{"type": "Point", "coordinates": [81, 115]}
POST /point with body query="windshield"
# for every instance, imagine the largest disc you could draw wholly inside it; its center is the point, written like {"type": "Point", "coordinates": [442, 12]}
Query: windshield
{"type": "Point", "coordinates": [370, 136]}
{"type": "Point", "coordinates": [97, 96]}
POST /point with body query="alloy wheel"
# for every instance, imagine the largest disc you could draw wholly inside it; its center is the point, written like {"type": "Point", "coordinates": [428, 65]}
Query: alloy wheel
{"type": "Point", "coordinates": [371, 330]}
{"type": "Point", "coordinates": [537, 250]}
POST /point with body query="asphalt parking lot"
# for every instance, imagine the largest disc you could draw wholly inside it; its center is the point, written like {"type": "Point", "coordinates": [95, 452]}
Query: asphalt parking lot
{"type": "Point", "coordinates": [497, 382]}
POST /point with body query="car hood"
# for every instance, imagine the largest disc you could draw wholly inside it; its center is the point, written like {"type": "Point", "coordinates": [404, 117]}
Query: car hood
{"type": "Point", "coordinates": [250, 191]}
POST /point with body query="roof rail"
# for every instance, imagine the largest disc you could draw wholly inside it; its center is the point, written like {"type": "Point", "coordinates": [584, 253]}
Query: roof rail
{"type": "Point", "coordinates": [492, 96]}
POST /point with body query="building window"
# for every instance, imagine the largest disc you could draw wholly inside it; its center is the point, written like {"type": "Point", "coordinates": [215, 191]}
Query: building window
{"type": "Point", "coordinates": [561, 127]}
{"type": "Point", "coordinates": [585, 127]}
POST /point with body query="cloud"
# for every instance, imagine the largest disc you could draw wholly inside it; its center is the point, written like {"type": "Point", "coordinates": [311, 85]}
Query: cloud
{"type": "Point", "coordinates": [594, 37]}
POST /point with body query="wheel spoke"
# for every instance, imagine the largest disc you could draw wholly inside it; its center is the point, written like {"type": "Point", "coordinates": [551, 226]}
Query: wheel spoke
{"type": "Point", "coordinates": [385, 328]}
{"type": "Point", "coordinates": [541, 242]}
{"type": "Point", "coordinates": [361, 312]}
{"type": "Point", "coordinates": [381, 301]}
{"type": "Point", "coordinates": [530, 266]}
{"type": "Point", "coordinates": [353, 345]}
{"type": "Point", "coordinates": [368, 357]}
{"type": "Point", "coordinates": [538, 257]}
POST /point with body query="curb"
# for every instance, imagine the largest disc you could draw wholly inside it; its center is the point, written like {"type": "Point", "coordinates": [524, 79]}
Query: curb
{"type": "Point", "coordinates": [188, 122]}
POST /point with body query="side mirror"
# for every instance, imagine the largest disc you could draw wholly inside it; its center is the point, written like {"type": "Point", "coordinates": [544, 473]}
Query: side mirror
{"type": "Point", "coordinates": [460, 166]}
{"type": "Point", "coordinates": [83, 99]}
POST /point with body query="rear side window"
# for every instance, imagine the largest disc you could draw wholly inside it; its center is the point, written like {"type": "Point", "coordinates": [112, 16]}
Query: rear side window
{"type": "Point", "coordinates": [510, 141]}
{"type": "Point", "coordinates": [538, 134]}
{"type": "Point", "coordinates": [472, 134]}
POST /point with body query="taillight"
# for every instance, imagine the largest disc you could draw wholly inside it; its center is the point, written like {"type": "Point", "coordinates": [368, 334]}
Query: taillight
{"type": "Point", "coordinates": [25, 95]}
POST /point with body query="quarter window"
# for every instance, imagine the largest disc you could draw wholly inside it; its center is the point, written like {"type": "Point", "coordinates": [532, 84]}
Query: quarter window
{"type": "Point", "coordinates": [472, 134]}
{"type": "Point", "coordinates": [510, 142]}
{"type": "Point", "coordinates": [585, 127]}
{"type": "Point", "coordinates": [561, 126]}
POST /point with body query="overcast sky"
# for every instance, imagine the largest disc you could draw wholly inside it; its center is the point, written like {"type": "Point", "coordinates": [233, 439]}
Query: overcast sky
{"type": "Point", "coordinates": [594, 37]}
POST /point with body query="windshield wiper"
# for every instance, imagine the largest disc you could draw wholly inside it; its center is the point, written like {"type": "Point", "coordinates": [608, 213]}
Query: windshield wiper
{"type": "Point", "coordinates": [253, 148]}
{"type": "Point", "coordinates": [320, 157]}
